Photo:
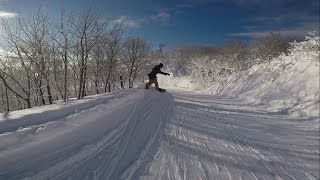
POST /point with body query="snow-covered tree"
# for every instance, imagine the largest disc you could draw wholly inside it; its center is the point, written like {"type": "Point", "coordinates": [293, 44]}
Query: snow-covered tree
{"type": "Point", "coordinates": [270, 46]}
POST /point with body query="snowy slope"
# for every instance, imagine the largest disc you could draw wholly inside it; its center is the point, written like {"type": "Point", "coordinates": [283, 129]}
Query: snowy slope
{"type": "Point", "coordinates": [99, 140]}
{"type": "Point", "coordinates": [214, 137]}
{"type": "Point", "coordinates": [144, 134]}
{"type": "Point", "coordinates": [289, 83]}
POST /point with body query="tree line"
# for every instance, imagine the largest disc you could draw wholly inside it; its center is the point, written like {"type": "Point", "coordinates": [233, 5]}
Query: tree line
{"type": "Point", "coordinates": [79, 54]}
{"type": "Point", "coordinates": [208, 64]}
{"type": "Point", "coordinates": [82, 53]}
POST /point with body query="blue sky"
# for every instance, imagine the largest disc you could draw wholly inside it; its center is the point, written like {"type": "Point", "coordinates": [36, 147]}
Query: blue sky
{"type": "Point", "coordinates": [189, 22]}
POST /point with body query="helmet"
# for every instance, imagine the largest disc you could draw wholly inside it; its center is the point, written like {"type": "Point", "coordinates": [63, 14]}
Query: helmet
{"type": "Point", "coordinates": [161, 65]}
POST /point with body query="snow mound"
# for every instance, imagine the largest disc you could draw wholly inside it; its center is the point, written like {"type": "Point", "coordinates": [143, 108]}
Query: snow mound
{"type": "Point", "coordinates": [288, 84]}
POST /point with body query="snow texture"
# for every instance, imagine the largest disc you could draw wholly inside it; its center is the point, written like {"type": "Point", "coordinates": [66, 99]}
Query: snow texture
{"type": "Point", "coordinates": [145, 134]}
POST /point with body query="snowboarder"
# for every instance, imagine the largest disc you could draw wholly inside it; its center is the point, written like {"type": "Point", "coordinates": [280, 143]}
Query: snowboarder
{"type": "Point", "coordinates": [153, 77]}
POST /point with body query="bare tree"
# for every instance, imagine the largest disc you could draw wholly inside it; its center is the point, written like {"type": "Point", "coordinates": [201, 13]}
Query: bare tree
{"type": "Point", "coordinates": [86, 27]}
{"type": "Point", "coordinates": [135, 51]}
{"type": "Point", "coordinates": [4, 89]}
{"type": "Point", "coordinates": [99, 58]}
{"type": "Point", "coordinates": [13, 38]}
{"type": "Point", "coordinates": [28, 39]}
{"type": "Point", "coordinates": [11, 83]}
{"type": "Point", "coordinates": [113, 49]}
{"type": "Point", "coordinates": [78, 55]}
{"type": "Point", "coordinates": [63, 38]}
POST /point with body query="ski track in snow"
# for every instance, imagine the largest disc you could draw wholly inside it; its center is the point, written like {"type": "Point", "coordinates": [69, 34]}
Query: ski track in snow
{"type": "Point", "coordinates": [142, 134]}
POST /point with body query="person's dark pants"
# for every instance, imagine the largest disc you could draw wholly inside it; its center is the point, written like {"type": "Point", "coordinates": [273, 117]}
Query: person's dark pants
{"type": "Point", "coordinates": [152, 81]}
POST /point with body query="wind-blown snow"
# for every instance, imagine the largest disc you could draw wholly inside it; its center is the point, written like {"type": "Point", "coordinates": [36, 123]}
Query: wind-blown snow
{"type": "Point", "coordinates": [184, 83]}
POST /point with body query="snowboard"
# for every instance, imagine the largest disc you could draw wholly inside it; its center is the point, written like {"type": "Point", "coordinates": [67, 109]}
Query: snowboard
{"type": "Point", "coordinates": [153, 88]}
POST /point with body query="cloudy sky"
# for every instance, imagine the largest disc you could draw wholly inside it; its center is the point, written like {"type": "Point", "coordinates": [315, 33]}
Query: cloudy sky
{"type": "Point", "coordinates": [182, 22]}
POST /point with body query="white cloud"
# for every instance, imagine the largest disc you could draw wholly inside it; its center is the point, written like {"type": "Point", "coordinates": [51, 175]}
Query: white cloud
{"type": "Point", "coordinates": [4, 14]}
{"type": "Point", "coordinates": [162, 17]}
{"type": "Point", "coordinates": [129, 22]}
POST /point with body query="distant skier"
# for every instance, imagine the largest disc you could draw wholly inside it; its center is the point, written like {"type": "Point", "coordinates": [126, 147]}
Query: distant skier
{"type": "Point", "coordinates": [153, 76]}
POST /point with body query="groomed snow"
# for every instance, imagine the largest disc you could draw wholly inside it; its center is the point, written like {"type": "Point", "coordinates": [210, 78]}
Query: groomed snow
{"type": "Point", "coordinates": [144, 134]}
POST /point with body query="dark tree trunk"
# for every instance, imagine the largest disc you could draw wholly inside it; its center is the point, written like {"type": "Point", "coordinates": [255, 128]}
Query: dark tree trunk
{"type": "Point", "coordinates": [83, 92]}
{"type": "Point", "coordinates": [49, 93]}
{"type": "Point", "coordinates": [121, 82]}
{"type": "Point", "coordinates": [7, 99]}
{"type": "Point", "coordinates": [65, 72]}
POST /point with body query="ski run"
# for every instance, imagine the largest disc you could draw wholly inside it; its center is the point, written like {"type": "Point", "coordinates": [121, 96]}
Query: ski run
{"type": "Point", "coordinates": [144, 134]}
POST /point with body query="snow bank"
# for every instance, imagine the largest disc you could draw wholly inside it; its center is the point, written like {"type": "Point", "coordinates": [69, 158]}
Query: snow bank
{"type": "Point", "coordinates": [289, 83]}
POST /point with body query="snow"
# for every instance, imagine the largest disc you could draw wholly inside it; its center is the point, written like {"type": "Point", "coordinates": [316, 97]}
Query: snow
{"type": "Point", "coordinates": [220, 138]}
{"type": "Point", "coordinates": [298, 86]}
{"type": "Point", "coordinates": [263, 124]}
{"type": "Point", "coordinates": [171, 82]}
{"type": "Point", "coordinates": [104, 138]}
{"type": "Point", "coordinates": [145, 134]}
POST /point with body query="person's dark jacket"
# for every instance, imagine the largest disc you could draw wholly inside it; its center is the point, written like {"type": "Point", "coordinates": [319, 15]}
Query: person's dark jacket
{"type": "Point", "coordinates": [155, 71]}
